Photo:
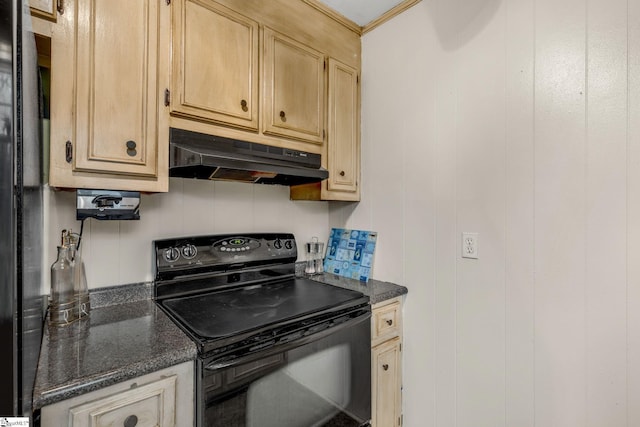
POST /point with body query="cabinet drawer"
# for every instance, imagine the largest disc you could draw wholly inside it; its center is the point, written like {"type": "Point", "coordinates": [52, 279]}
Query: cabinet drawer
{"type": "Point", "coordinates": [149, 405]}
{"type": "Point", "coordinates": [386, 322]}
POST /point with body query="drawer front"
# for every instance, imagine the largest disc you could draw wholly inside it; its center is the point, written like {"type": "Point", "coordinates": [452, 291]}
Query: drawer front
{"type": "Point", "coordinates": [386, 322]}
{"type": "Point", "coordinates": [149, 405]}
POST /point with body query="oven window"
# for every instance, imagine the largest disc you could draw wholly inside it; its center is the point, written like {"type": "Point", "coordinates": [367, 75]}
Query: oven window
{"type": "Point", "coordinates": [322, 383]}
{"type": "Point", "coordinates": [311, 391]}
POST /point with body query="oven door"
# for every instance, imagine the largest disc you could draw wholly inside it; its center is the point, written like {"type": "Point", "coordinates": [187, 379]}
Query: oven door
{"type": "Point", "coordinates": [320, 379]}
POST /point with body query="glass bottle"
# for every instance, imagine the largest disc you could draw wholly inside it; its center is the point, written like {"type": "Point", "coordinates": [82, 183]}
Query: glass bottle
{"type": "Point", "coordinates": [62, 301]}
{"type": "Point", "coordinates": [319, 258]}
{"type": "Point", "coordinates": [310, 266]}
{"type": "Point", "coordinates": [80, 288]}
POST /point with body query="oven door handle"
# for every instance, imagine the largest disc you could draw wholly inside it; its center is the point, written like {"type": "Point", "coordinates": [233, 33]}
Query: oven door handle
{"type": "Point", "coordinates": [228, 362]}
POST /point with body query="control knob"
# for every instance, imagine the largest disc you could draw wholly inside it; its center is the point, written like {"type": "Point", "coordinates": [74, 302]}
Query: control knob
{"type": "Point", "coordinates": [189, 251]}
{"type": "Point", "coordinates": [288, 244]}
{"type": "Point", "coordinates": [277, 244]}
{"type": "Point", "coordinates": [171, 254]}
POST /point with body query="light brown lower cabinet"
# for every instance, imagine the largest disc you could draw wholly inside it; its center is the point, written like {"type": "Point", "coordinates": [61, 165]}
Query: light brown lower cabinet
{"type": "Point", "coordinates": [163, 398]}
{"type": "Point", "coordinates": [386, 364]}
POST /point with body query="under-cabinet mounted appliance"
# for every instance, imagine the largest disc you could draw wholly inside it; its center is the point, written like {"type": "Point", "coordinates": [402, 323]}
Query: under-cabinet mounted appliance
{"type": "Point", "coordinates": [202, 156]}
{"type": "Point", "coordinates": [107, 204]}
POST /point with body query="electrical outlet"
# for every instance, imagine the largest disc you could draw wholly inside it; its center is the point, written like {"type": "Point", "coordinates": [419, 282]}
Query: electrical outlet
{"type": "Point", "coordinates": [470, 245]}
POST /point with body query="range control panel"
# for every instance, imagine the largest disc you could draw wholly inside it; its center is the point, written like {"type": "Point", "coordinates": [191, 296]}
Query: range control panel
{"type": "Point", "coordinates": [190, 255]}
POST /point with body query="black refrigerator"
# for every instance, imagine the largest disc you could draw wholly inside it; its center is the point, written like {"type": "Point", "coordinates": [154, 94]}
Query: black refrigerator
{"type": "Point", "coordinates": [21, 210]}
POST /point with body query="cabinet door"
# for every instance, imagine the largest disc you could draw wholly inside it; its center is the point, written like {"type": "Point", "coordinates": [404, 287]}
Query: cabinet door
{"type": "Point", "coordinates": [117, 52]}
{"type": "Point", "coordinates": [386, 384]}
{"type": "Point", "coordinates": [149, 405]}
{"type": "Point", "coordinates": [343, 142]}
{"type": "Point", "coordinates": [160, 399]}
{"type": "Point", "coordinates": [293, 83]}
{"type": "Point", "coordinates": [215, 64]}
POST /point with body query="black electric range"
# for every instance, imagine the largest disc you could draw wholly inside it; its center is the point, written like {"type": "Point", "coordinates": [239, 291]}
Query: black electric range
{"type": "Point", "coordinates": [239, 300]}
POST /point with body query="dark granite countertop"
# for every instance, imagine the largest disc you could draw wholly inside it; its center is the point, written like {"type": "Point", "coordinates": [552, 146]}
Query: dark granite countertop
{"type": "Point", "coordinates": [127, 335]}
{"type": "Point", "coordinates": [115, 343]}
{"type": "Point", "coordinates": [377, 290]}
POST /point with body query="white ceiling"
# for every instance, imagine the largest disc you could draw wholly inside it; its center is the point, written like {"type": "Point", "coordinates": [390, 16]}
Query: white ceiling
{"type": "Point", "coordinates": [361, 12]}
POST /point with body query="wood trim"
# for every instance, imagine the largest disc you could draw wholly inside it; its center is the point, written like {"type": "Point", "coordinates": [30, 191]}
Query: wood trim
{"type": "Point", "coordinates": [349, 24]}
{"type": "Point", "coordinates": [49, 15]}
{"type": "Point", "coordinates": [338, 17]}
{"type": "Point", "coordinates": [41, 27]}
{"type": "Point", "coordinates": [389, 14]}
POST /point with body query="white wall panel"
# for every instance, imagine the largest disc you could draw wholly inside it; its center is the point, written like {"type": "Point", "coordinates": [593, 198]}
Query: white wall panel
{"type": "Point", "coordinates": [419, 214]}
{"type": "Point", "coordinates": [386, 167]}
{"type": "Point", "coordinates": [411, 186]}
{"type": "Point", "coordinates": [633, 217]}
{"type": "Point", "coordinates": [233, 210]}
{"type": "Point", "coordinates": [532, 141]}
{"type": "Point", "coordinates": [480, 157]}
{"type": "Point", "coordinates": [606, 213]}
{"type": "Point", "coordinates": [560, 202]}
{"type": "Point", "coordinates": [519, 214]}
{"type": "Point", "coordinates": [271, 212]}
{"type": "Point", "coordinates": [198, 206]}
{"type": "Point", "coordinates": [446, 247]}
{"type": "Point", "coordinates": [134, 244]}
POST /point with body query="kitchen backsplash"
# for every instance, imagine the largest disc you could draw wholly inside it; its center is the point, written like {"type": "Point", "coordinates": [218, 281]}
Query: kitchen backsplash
{"type": "Point", "coordinates": [119, 252]}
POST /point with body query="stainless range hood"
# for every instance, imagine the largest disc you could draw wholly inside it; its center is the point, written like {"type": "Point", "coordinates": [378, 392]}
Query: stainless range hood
{"type": "Point", "coordinates": [201, 156]}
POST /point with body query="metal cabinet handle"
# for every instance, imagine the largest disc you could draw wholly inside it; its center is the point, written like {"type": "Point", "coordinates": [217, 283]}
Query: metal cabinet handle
{"type": "Point", "coordinates": [283, 116]}
{"type": "Point", "coordinates": [131, 421]}
{"type": "Point", "coordinates": [390, 322]}
{"type": "Point", "coordinates": [342, 173]}
{"type": "Point", "coordinates": [131, 148]}
{"type": "Point", "coordinates": [68, 151]}
{"type": "Point", "coordinates": [243, 104]}
{"type": "Point", "coordinates": [385, 367]}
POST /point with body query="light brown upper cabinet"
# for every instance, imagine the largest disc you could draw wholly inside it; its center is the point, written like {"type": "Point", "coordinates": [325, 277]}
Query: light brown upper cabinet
{"type": "Point", "coordinates": [215, 64]}
{"type": "Point", "coordinates": [293, 89]}
{"type": "Point", "coordinates": [116, 92]}
{"type": "Point", "coordinates": [107, 128]}
{"type": "Point", "coordinates": [343, 145]}
{"type": "Point", "coordinates": [341, 154]}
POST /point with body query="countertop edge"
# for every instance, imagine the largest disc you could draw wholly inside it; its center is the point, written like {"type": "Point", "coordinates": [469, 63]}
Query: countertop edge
{"type": "Point", "coordinates": [377, 290]}
{"type": "Point", "coordinates": [111, 377]}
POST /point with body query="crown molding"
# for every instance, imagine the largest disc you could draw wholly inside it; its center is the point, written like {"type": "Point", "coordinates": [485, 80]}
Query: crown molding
{"type": "Point", "coordinates": [397, 10]}
{"type": "Point", "coordinates": [341, 19]}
